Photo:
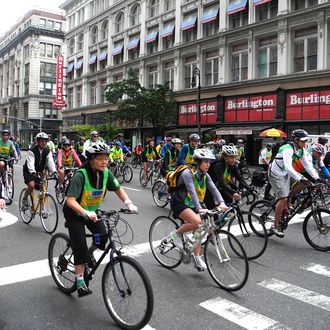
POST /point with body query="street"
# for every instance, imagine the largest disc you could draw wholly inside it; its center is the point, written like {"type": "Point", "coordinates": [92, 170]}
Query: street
{"type": "Point", "coordinates": [288, 286]}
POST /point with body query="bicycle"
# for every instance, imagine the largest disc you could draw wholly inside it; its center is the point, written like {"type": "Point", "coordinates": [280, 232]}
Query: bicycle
{"type": "Point", "coordinates": [153, 173]}
{"type": "Point", "coordinates": [45, 206]}
{"type": "Point", "coordinates": [136, 161]}
{"type": "Point", "coordinates": [316, 225]}
{"type": "Point", "coordinates": [126, 288]}
{"type": "Point", "coordinates": [160, 194]}
{"type": "Point", "coordinates": [8, 179]}
{"type": "Point", "coordinates": [244, 171]}
{"type": "Point", "coordinates": [60, 191]}
{"type": "Point", "coordinates": [225, 257]}
{"type": "Point", "coordinates": [122, 172]}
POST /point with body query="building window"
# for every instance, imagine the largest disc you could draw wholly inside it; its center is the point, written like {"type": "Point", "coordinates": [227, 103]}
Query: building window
{"type": "Point", "coordinates": [135, 15]}
{"type": "Point", "coordinates": [189, 66]}
{"type": "Point", "coordinates": [239, 62]}
{"type": "Point", "coordinates": [93, 35]}
{"type": "Point", "coordinates": [42, 22]}
{"type": "Point", "coordinates": [93, 92]}
{"type": "Point", "coordinates": [57, 26]}
{"type": "Point", "coordinates": [152, 76]}
{"type": "Point", "coordinates": [103, 58]}
{"type": "Point", "coordinates": [49, 51]}
{"type": "Point", "coordinates": [104, 30]}
{"type": "Point", "coordinates": [42, 50]}
{"type": "Point", "coordinates": [27, 70]}
{"type": "Point", "coordinates": [211, 68]}
{"type": "Point", "coordinates": [211, 28]}
{"type": "Point", "coordinates": [47, 110]}
{"type": "Point", "coordinates": [153, 8]}
{"type": "Point", "coordinates": [239, 19]}
{"type": "Point", "coordinates": [301, 4]}
{"type": "Point", "coordinates": [80, 42]}
{"type": "Point", "coordinates": [169, 5]}
{"type": "Point", "coordinates": [47, 70]}
{"type": "Point", "coordinates": [57, 50]}
{"type": "Point", "coordinates": [26, 88]}
{"type": "Point", "coordinates": [190, 35]}
{"type": "Point", "coordinates": [118, 77]}
{"type": "Point", "coordinates": [92, 62]}
{"type": "Point", "coordinates": [168, 42]}
{"type": "Point", "coordinates": [26, 52]}
{"type": "Point", "coordinates": [47, 88]}
{"type": "Point", "coordinates": [267, 57]}
{"type": "Point", "coordinates": [133, 54]}
{"type": "Point", "coordinates": [70, 98]}
{"type": "Point", "coordinates": [305, 50]}
{"type": "Point", "coordinates": [78, 96]}
{"type": "Point", "coordinates": [103, 86]}
{"type": "Point", "coordinates": [169, 74]}
{"type": "Point", "coordinates": [71, 46]}
{"type": "Point", "coordinates": [267, 10]}
{"type": "Point", "coordinates": [50, 25]}
{"type": "Point", "coordinates": [119, 25]}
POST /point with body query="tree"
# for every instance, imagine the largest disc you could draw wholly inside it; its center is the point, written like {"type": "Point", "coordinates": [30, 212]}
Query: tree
{"type": "Point", "coordinates": [140, 106]}
{"type": "Point", "coordinates": [82, 130]}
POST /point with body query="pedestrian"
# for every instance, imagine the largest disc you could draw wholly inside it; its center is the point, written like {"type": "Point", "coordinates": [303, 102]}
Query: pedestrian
{"type": "Point", "coordinates": [265, 156]}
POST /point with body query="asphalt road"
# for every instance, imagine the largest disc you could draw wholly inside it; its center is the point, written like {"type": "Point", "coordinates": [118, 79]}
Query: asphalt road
{"type": "Point", "coordinates": [288, 286]}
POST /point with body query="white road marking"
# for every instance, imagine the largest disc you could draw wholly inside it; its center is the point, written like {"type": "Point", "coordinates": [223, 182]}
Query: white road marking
{"type": "Point", "coordinates": [296, 292]}
{"type": "Point", "coordinates": [128, 188]}
{"type": "Point", "coordinates": [7, 219]}
{"type": "Point", "coordinates": [318, 269]}
{"type": "Point", "coordinates": [240, 315]}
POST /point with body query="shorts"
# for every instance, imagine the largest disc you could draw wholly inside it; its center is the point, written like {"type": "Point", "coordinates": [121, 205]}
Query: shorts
{"type": "Point", "coordinates": [178, 207]}
{"type": "Point", "coordinates": [28, 177]}
{"type": "Point", "coordinates": [280, 184]}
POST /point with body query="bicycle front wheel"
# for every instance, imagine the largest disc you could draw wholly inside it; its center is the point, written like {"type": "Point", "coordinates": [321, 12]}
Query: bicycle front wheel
{"type": "Point", "coordinates": [316, 229]}
{"type": "Point", "coordinates": [226, 260]}
{"type": "Point", "coordinates": [49, 214]}
{"type": "Point", "coordinates": [161, 243]}
{"type": "Point", "coordinates": [127, 293]}
{"type": "Point", "coordinates": [9, 188]}
{"type": "Point", "coordinates": [143, 178]}
{"type": "Point", "coordinates": [127, 173]}
{"type": "Point", "coordinates": [159, 193]}
{"type": "Point", "coordinates": [26, 211]}
{"type": "Point", "coordinates": [60, 261]}
{"type": "Point", "coordinates": [59, 193]}
{"type": "Point", "coordinates": [265, 211]}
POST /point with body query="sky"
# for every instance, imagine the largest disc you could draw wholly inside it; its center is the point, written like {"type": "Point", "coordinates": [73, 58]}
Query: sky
{"type": "Point", "coordinates": [13, 10]}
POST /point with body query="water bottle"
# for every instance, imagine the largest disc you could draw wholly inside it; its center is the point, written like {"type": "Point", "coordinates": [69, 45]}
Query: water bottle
{"type": "Point", "coordinates": [196, 235]}
{"type": "Point", "coordinates": [97, 239]}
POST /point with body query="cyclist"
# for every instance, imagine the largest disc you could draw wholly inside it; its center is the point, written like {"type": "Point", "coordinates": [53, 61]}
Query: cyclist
{"type": "Point", "coordinates": [79, 147]}
{"type": "Point", "coordinates": [50, 144]}
{"type": "Point", "coordinates": [171, 156]}
{"type": "Point", "coordinates": [160, 147]}
{"type": "Point", "coordinates": [66, 158]}
{"type": "Point", "coordinates": [265, 156]}
{"type": "Point", "coordinates": [94, 137]}
{"type": "Point", "coordinates": [241, 151]}
{"type": "Point", "coordinates": [149, 154]}
{"type": "Point", "coordinates": [116, 154]}
{"type": "Point", "coordinates": [38, 159]}
{"type": "Point", "coordinates": [85, 194]}
{"type": "Point", "coordinates": [167, 146]}
{"type": "Point", "coordinates": [7, 148]}
{"type": "Point", "coordinates": [282, 168]}
{"type": "Point", "coordinates": [187, 150]}
{"type": "Point", "coordinates": [186, 203]}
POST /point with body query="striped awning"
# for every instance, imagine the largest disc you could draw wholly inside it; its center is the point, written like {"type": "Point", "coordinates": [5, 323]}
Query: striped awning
{"type": "Point", "coordinates": [236, 6]}
{"type": "Point", "coordinates": [70, 67]}
{"type": "Point", "coordinates": [151, 36]}
{"type": "Point", "coordinates": [189, 23]}
{"type": "Point", "coordinates": [260, 2]}
{"type": "Point", "coordinates": [92, 59]}
{"type": "Point", "coordinates": [168, 31]}
{"type": "Point", "coordinates": [118, 50]}
{"type": "Point", "coordinates": [210, 15]}
{"type": "Point", "coordinates": [78, 65]}
{"type": "Point", "coordinates": [133, 43]}
{"type": "Point", "coordinates": [103, 56]}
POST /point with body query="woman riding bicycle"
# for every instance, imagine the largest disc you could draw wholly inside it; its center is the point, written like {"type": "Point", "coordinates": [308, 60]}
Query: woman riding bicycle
{"type": "Point", "coordinates": [186, 201]}
{"type": "Point", "coordinates": [85, 194]}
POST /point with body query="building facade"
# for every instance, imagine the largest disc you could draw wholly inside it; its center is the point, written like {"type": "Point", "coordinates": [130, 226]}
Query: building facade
{"type": "Point", "coordinates": [262, 63]}
{"type": "Point", "coordinates": [28, 53]}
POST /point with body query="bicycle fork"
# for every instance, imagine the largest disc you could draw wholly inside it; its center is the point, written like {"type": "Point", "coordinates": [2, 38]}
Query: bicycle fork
{"type": "Point", "coordinates": [217, 239]}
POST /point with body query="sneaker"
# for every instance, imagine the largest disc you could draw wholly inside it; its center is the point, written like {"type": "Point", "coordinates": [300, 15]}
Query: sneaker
{"type": "Point", "coordinates": [199, 263]}
{"type": "Point", "coordinates": [278, 231]}
{"type": "Point", "coordinates": [84, 291]}
{"type": "Point", "coordinates": [177, 240]}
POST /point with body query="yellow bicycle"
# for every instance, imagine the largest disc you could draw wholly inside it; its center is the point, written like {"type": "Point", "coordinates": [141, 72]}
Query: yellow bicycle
{"type": "Point", "coordinates": [43, 204]}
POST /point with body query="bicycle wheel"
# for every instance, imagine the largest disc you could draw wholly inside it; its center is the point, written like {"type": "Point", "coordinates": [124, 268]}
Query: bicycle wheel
{"type": "Point", "coordinates": [49, 214]}
{"type": "Point", "coordinates": [134, 162]}
{"type": "Point", "coordinates": [59, 193]}
{"type": "Point", "coordinates": [226, 260]}
{"type": "Point", "coordinates": [143, 179]}
{"type": "Point", "coordinates": [127, 173]}
{"type": "Point", "coordinates": [127, 293]}
{"type": "Point", "coordinates": [265, 211]}
{"type": "Point", "coordinates": [159, 193]}
{"type": "Point", "coordinates": [316, 229]}
{"type": "Point", "coordinates": [250, 232]}
{"type": "Point", "coordinates": [61, 263]}
{"type": "Point", "coordinates": [26, 212]}
{"type": "Point", "coordinates": [119, 174]}
{"type": "Point", "coordinates": [161, 244]}
{"type": "Point", "coordinates": [9, 188]}
{"type": "Point", "coordinates": [246, 174]}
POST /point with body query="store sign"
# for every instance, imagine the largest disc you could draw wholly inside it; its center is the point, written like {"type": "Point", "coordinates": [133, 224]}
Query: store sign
{"type": "Point", "coordinates": [188, 113]}
{"type": "Point", "coordinates": [251, 108]}
{"type": "Point", "coordinates": [234, 132]}
{"type": "Point", "coordinates": [308, 105]}
{"type": "Point", "coordinates": [59, 102]}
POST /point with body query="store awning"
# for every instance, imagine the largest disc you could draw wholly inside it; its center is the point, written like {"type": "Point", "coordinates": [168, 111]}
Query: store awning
{"type": "Point", "coordinates": [152, 36]}
{"type": "Point", "coordinates": [236, 6]}
{"type": "Point", "coordinates": [70, 67]}
{"type": "Point", "coordinates": [238, 130]}
{"type": "Point", "coordinates": [92, 59]}
{"type": "Point", "coordinates": [168, 31]}
{"type": "Point", "coordinates": [103, 56]}
{"type": "Point", "coordinates": [260, 2]}
{"type": "Point", "coordinates": [188, 23]}
{"type": "Point", "coordinates": [186, 130]}
{"type": "Point", "coordinates": [133, 43]}
{"type": "Point", "coordinates": [78, 65]}
{"type": "Point", "coordinates": [117, 50]}
{"type": "Point", "coordinates": [210, 15]}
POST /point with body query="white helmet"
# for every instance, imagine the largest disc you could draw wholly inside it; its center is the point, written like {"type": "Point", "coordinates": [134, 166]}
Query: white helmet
{"type": "Point", "coordinates": [176, 140]}
{"type": "Point", "coordinates": [94, 133]}
{"type": "Point", "coordinates": [97, 148]}
{"type": "Point", "coordinates": [318, 148]}
{"type": "Point", "coordinates": [229, 150]}
{"type": "Point", "coordinates": [203, 154]}
{"type": "Point", "coordinates": [42, 135]}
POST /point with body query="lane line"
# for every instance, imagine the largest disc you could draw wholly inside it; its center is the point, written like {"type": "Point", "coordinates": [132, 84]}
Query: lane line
{"type": "Point", "coordinates": [298, 293]}
{"type": "Point", "coordinates": [7, 219]}
{"type": "Point", "coordinates": [317, 269]}
{"type": "Point", "coordinates": [133, 189]}
{"type": "Point", "coordinates": [240, 315]}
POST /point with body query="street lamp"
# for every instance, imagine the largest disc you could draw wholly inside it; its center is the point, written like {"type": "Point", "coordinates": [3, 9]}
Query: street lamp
{"type": "Point", "coordinates": [197, 74]}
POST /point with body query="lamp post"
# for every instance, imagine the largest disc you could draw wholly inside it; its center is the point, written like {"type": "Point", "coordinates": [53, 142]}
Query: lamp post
{"type": "Point", "coordinates": [197, 74]}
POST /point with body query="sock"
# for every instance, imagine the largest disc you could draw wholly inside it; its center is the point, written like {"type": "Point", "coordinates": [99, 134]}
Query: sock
{"type": "Point", "coordinates": [80, 280]}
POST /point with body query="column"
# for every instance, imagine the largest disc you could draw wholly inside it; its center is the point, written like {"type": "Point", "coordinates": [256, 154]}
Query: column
{"type": "Point", "coordinates": [177, 69]}
{"type": "Point", "coordinates": [252, 11]}
{"type": "Point", "coordinates": [251, 55]}
{"type": "Point", "coordinates": [143, 18]}
{"type": "Point", "coordinates": [199, 19]}
{"type": "Point", "coordinates": [321, 42]}
{"type": "Point", "coordinates": [283, 7]}
{"type": "Point", "coordinates": [223, 15]}
{"type": "Point", "coordinates": [283, 48]}
{"type": "Point", "coordinates": [178, 20]}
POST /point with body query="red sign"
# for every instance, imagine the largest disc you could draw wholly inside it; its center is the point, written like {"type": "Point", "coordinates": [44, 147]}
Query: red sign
{"type": "Point", "coordinates": [308, 105]}
{"type": "Point", "coordinates": [188, 113]}
{"type": "Point", "coordinates": [59, 102]}
{"type": "Point", "coordinates": [250, 108]}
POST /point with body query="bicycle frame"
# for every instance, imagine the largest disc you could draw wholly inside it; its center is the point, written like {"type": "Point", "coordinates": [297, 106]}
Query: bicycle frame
{"type": "Point", "coordinates": [41, 195]}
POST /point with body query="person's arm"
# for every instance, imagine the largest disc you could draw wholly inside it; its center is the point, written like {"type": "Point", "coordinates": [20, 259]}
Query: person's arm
{"type": "Point", "coordinates": [219, 170]}
{"type": "Point", "coordinates": [111, 156]}
{"type": "Point", "coordinates": [76, 158]}
{"type": "Point", "coordinates": [157, 154]}
{"type": "Point", "coordinates": [287, 154]}
{"type": "Point", "coordinates": [189, 183]}
{"type": "Point", "coordinates": [166, 160]}
{"type": "Point", "coordinates": [121, 155]}
{"type": "Point", "coordinates": [182, 155]}
{"type": "Point", "coordinates": [163, 150]}
{"type": "Point", "coordinates": [235, 172]}
{"type": "Point", "coordinates": [30, 162]}
{"type": "Point", "coordinates": [307, 162]}
{"type": "Point", "coordinates": [214, 191]}
{"type": "Point", "coordinates": [50, 163]}
{"type": "Point", "coordinates": [59, 158]}
{"type": "Point", "coordinates": [13, 149]}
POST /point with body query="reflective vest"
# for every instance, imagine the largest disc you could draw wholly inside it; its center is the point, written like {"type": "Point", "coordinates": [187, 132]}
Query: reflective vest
{"type": "Point", "coordinates": [200, 188]}
{"type": "Point", "coordinates": [240, 151]}
{"type": "Point", "coordinates": [116, 154]}
{"type": "Point", "coordinates": [67, 158]}
{"type": "Point", "coordinates": [226, 176]}
{"type": "Point", "coordinates": [189, 157]}
{"type": "Point", "coordinates": [171, 161]}
{"type": "Point", "coordinates": [80, 148]}
{"type": "Point", "coordinates": [150, 153]}
{"type": "Point", "coordinates": [4, 149]}
{"type": "Point", "coordinates": [296, 163]}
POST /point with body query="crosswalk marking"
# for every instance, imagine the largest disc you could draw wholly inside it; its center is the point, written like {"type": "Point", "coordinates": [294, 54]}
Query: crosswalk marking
{"type": "Point", "coordinates": [317, 269]}
{"type": "Point", "coordinates": [296, 292]}
{"type": "Point", "coordinates": [240, 315]}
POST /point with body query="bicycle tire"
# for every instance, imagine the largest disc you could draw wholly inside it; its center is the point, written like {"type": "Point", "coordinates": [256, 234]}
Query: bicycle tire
{"type": "Point", "coordinates": [9, 188]}
{"type": "Point", "coordinates": [26, 215]}
{"type": "Point", "coordinates": [119, 174]}
{"type": "Point", "coordinates": [236, 264]}
{"type": "Point", "coordinates": [60, 195]}
{"type": "Point", "coordinates": [60, 261]}
{"type": "Point", "coordinates": [316, 229]}
{"type": "Point", "coordinates": [265, 210]}
{"type": "Point", "coordinates": [250, 232]}
{"type": "Point", "coordinates": [131, 307]}
{"type": "Point", "coordinates": [127, 173]}
{"type": "Point", "coordinates": [159, 193]}
{"type": "Point", "coordinates": [143, 181]}
{"type": "Point", "coordinates": [161, 246]}
{"type": "Point", "coordinates": [48, 217]}
{"type": "Point", "coordinates": [134, 163]}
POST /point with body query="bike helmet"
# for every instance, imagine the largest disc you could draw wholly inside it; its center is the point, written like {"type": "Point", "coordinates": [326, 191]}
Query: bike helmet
{"type": "Point", "coordinates": [222, 142]}
{"type": "Point", "coordinates": [97, 148]}
{"type": "Point", "coordinates": [117, 143]}
{"type": "Point", "coordinates": [94, 133]}
{"type": "Point", "coordinates": [211, 143]}
{"type": "Point", "coordinates": [82, 138]}
{"type": "Point", "coordinates": [322, 140]}
{"type": "Point", "coordinates": [64, 138]}
{"type": "Point", "coordinates": [194, 137]}
{"type": "Point", "coordinates": [168, 139]}
{"type": "Point", "coordinates": [299, 134]}
{"type": "Point", "coordinates": [66, 143]}
{"type": "Point", "coordinates": [5, 131]}
{"type": "Point", "coordinates": [269, 145]}
{"type": "Point", "coordinates": [240, 141]}
{"type": "Point", "coordinates": [201, 154]}
{"type": "Point", "coordinates": [42, 136]}
{"type": "Point", "coordinates": [176, 140]}
{"type": "Point", "coordinates": [318, 147]}
{"type": "Point", "coordinates": [228, 150]}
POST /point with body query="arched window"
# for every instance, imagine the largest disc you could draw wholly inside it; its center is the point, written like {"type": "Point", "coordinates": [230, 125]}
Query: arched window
{"type": "Point", "coordinates": [153, 8]}
{"type": "Point", "coordinates": [93, 35]}
{"type": "Point", "coordinates": [119, 23]}
{"type": "Point", "coordinates": [135, 15]}
{"type": "Point", "coordinates": [71, 46]}
{"type": "Point", "coordinates": [104, 30]}
{"type": "Point", "coordinates": [80, 42]}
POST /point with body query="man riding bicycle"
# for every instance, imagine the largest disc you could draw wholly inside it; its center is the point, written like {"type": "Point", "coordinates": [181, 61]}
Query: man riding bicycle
{"type": "Point", "coordinates": [171, 156]}
{"type": "Point", "coordinates": [149, 154]}
{"type": "Point", "coordinates": [187, 150]}
{"type": "Point", "coordinates": [116, 154]}
{"type": "Point", "coordinates": [7, 148]}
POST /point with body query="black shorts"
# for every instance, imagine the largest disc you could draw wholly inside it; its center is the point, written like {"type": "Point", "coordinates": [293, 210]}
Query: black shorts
{"type": "Point", "coordinates": [28, 177]}
{"type": "Point", "coordinates": [178, 207]}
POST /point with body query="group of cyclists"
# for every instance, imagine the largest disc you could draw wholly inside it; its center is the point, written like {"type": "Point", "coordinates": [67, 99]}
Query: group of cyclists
{"type": "Point", "coordinates": [211, 179]}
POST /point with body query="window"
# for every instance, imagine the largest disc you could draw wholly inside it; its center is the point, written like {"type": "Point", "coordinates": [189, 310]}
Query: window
{"type": "Point", "coordinates": [118, 77]}
{"type": "Point", "coordinates": [239, 19]}
{"type": "Point", "coordinates": [92, 93]}
{"type": "Point", "coordinates": [71, 46]}
{"type": "Point", "coordinates": [267, 10]}
{"type": "Point", "coordinates": [70, 98]}
{"type": "Point", "coordinates": [57, 26]}
{"type": "Point", "coordinates": [301, 4]}
{"type": "Point", "coordinates": [47, 110]}
{"type": "Point", "coordinates": [26, 88]}
{"type": "Point", "coordinates": [47, 70]}
{"type": "Point", "coordinates": [189, 28]}
{"type": "Point", "coordinates": [190, 65]}
{"type": "Point", "coordinates": [168, 42]}
{"type": "Point", "coordinates": [210, 20]}
{"type": "Point", "coordinates": [133, 47]}
{"type": "Point", "coordinates": [267, 57]}
{"type": "Point", "coordinates": [169, 74]}
{"type": "Point", "coordinates": [305, 50]}
{"type": "Point", "coordinates": [57, 50]}
{"type": "Point", "coordinates": [152, 76]}
{"type": "Point", "coordinates": [239, 62]}
{"type": "Point", "coordinates": [92, 62]}
{"type": "Point", "coordinates": [26, 51]}
{"type": "Point", "coordinates": [103, 86]}
{"type": "Point", "coordinates": [47, 88]}
{"type": "Point", "coordinates": [169, 4]}
{"type": "Point", "coordinates": [153, 8]}
{"type": "Point", "coordinates": [42, 50]}
{"type": "Point", "coordinates": [78, 96]}
{"type": "Point", "coordinates": [50, 24]}
{"type": "Point", "coordinates": [49, 51]}
{"type": "Point", "coordinates": [42, 22]}
{"type": "Point", "coordinates": [104, 30]}
{"type": "Point", "coordinates": [135, 15]}
{"type": "Point", "coordinates": [119, 25]}
{"type": "Point", "coordinates": [80, 42]}
{"type": "Point", "coordinates": [211, 68]}
{"type": "Point", "coordinates": [93, 35]}
{"type": "Point", "coordinates": [27, 70]}
{"type": "Point", "coordinates": [103, 58]}
{"type": "Point", "coordinates": [117, 52]}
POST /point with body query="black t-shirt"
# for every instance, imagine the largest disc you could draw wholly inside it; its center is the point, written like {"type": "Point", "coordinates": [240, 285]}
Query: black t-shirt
{"type": "Point", "coordinates": [327, 159]}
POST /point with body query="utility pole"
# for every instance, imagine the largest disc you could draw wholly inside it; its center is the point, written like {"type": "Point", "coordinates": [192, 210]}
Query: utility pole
{"type": "Point", "coordinates": [197, 74]}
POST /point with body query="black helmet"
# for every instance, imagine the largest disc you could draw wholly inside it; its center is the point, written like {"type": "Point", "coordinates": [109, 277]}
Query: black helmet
{"type": "Point", "coordinates": [194, 137]}
{"type": "Point", "coordinates": [322, 140]}
{"type": "Point", "coordinates": [299, 134]}
{"type": "Point", "coordinates": [66, 143]}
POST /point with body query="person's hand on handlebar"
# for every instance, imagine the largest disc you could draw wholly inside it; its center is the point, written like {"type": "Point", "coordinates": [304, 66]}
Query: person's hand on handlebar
{"type": "Point", "coordinates": [222, 207]}
{"type": "Point", "coordinates": [305, 181]}
{"type": "Point", "coordinates": [91, 215]}
{"type": "Point", "coordinates": [130, 206]}
{"type": "Point", "coordinates": [203, 211]}
{"type": "Point", "coordinates": [237, 197]}
{"type": "Point", "coordinates": [2, 204]}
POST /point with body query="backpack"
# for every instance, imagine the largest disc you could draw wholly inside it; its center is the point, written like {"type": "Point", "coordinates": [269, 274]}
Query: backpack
{"type": "Point", "coordinates": [172, 178]}
{"type": "Point", "coordinates": [259, 178]}
{"type": "Point", "coordinates": [276, 148]}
